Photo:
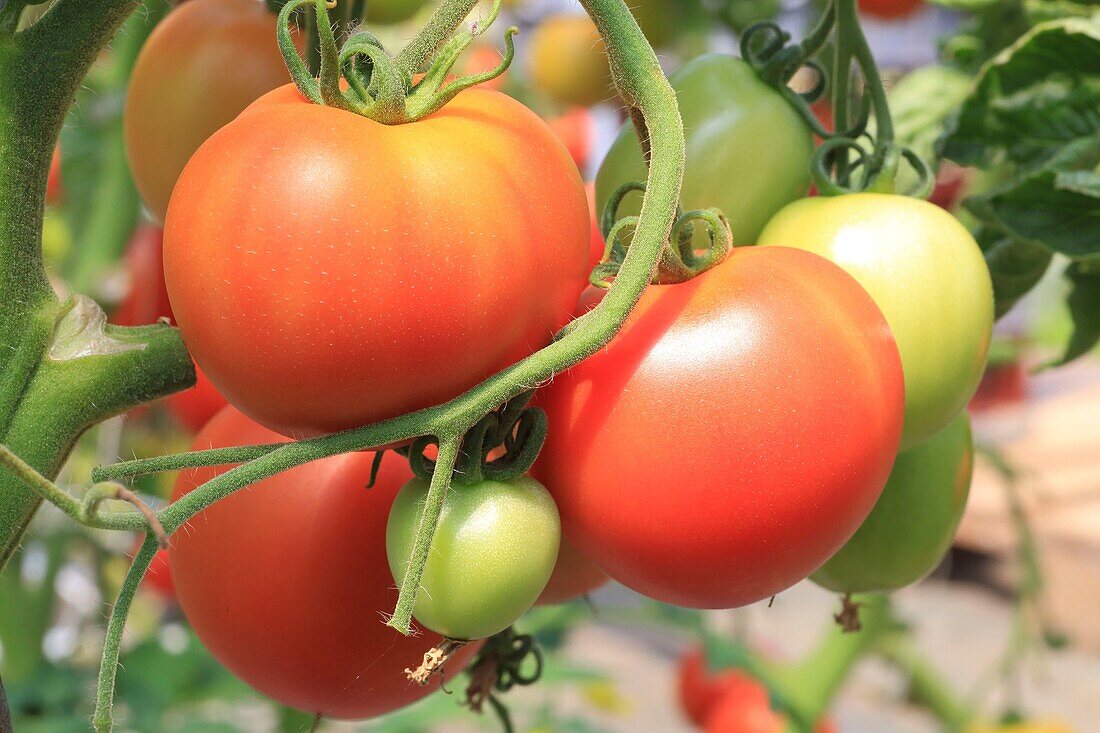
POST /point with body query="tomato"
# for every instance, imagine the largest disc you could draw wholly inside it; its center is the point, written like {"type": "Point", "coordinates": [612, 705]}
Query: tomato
{"type": "Point", "coordinates": [302, 296]}
{"type": "Point", "coordinates": [911, 526]}
{"type": "Point", "coordinates": [569, 61]}
{"type": "Point", "coordinates": [748, 151]}
{"type": "Point", "coordinates": [889, 9]}
{"type": "Point", "coordinates": [203, 64]}
{"type": "Point", "coordinates": [662, 21]}
{"type": "Point", "coordinates": [286, 582]}
{"type": "Point", "coordinates": [734, 714]}
{"type": "Point", "coordinates": [53, 182]}
{"type": "Point", "coordinates": [575, 130]}
{"type": "Point", "coordinates": [146, 302]}
{"type": "Point", "coordinates": [388, 12]}
{"type": "Point", "coordinates": [756, 407]}
{"type": "Point", "coordinates": [574, 576]}
{"type": "Point", "coordinates": [492, 554]}
{"type": "Point", "coordinates": [158, 579]}
{"type": "Point", "coordinates": [928, 276]}
{"type": "Point", "coordinates": [700, 691]}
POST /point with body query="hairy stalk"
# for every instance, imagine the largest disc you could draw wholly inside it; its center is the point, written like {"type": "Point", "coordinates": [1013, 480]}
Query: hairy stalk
{"type": "Point", "coordinates": [446, 19]}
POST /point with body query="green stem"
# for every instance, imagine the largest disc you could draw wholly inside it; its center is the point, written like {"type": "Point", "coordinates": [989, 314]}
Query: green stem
{"type": "Point", "coordinates": [180, 461]}
{"type": "Point", "coordinates": [926, 686]}
{"type": "Point", "coordinates": [429, 520]}
{"type": "Point", "coordinates": [112, 645]}
{"type": "Point", "coordinates": [446, 19]}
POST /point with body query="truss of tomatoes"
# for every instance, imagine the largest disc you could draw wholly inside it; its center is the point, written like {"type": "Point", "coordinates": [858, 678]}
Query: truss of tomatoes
{"type": "Point", "coordinates": [328, 271]}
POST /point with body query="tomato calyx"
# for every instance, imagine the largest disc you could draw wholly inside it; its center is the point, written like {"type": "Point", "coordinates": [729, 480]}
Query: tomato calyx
{"type": "Point", "coordinates": [848, 618]}
{"type": "Point", "coordinates": [518, 429]}
{"type": "Point", "coordinates": [679, 261]}
{"type": "Point", "coordinates": [435, 661]}
{"type": "Point", "coordinates": [377, 85]}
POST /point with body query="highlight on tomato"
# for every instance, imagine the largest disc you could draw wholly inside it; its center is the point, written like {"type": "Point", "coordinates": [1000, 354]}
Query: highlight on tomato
{"type": "Point", "coordinates": [771, 386]}
{"type": "Point", "coordinates": [253, 571]}
{"type": "Point", "coordinates": [203, 64]}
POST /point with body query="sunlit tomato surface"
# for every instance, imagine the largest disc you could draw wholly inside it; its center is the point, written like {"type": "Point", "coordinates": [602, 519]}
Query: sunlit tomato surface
{"type": "Point", "coordinates": [748, 151]}
{"type": "Point", "coordinates": [732, 436]}
{"type": "Point", "coordinates": [911, 526]}
{"type": "Point", "coordinates": [372, 270]}
{"type": "Point", "coordinates": [568, 60]}
{"type": "Point", "coordinates": [889, 9]}
{"type": "Point", "coordinates": [492, 553]}
{"type": "Point", "coordinates": [392, 11]}
{"type": "Point", "coordinates": [201, 66]}
{"type": "Point", "coordinates": [286, 582]}
{"type": "Point", "coordinates": [574, 576]}
{"type": "Point", "coordinates": [700, 690]}
{"type": "Point", "coordinates": [928, 276]}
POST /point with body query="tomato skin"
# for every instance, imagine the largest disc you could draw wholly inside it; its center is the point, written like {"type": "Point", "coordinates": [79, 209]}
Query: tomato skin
{"type": "Point", "coordinates": [575, 130]}
{"type": "Point", "coordinates": [925, 272]}
{"type": "Point", "coordinates": [286, 582]}
{"type": "Point", "coordinates": [889, 9]}
{"type": "Point", "coordinates": [388, 12]}
{"type": "Point", "coordinates": [53, 182]}
{"type": "Point", "coordinates": [267, 267]}
{"type": "Point", "coordinates": [700, 691]}
{"type": "Point", "coordinates": [493, 551]}
{"type": "Point", "coordinates": [574, 576]}
{"type": "Point", "coordinates": [769, 389]}
{"type": "Point", "coordinates": [203, 64]}
{"type": "Point", "coordinates": [911, 527]}
{"type": "Point", "coordinates": [568, 61]}
{"type": "Point", "coordinates": [195, 407]}
{"type": "Point", "coordinates": [733, 714]}
{"type": "Point", "coordinates": [727, 112]}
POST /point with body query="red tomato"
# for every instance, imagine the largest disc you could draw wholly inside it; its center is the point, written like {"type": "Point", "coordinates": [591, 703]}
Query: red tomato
{"type": "Point", "coordinates": [372, 270]}
{"type": "Point", "coordinates": [575, 130]}
{"type": "Point", "coordinates": [287, 583]}
{"type": "Point", "coordinates": [159, 577]}
{"type": "Point", "coordinates": [203, 64]}
{"type": "Point", "coordinates": [733, 436]}
{"type": "Point", "coordinates": [889, 9]}
{"type": "Point", "coordinates": [700, 691]}
{"type": "Point", "coordinates": [147, 302]}
{"type": "Point", "coordinates": [53, 183]}
{"type": "Point", "coordinates": [574, 576]}
{"type": "Point", "coordinates": [734, 714]}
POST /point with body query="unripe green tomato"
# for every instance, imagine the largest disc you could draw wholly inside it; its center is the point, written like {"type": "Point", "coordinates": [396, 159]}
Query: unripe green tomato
{"type": "Point", "coordinates": [748, 151]}
{"type": "Point", "coordinates": [927, 275]}
{"type": "Point", "coordinates": [910, 529]}
{"type": "Point", "coordinates": [388, 12]}
{"type": "Point", "coordinates": [663, 20]}
{"type": "Point", "coordinates": [493, 552]}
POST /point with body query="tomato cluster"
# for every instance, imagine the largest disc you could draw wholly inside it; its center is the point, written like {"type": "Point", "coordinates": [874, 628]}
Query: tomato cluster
{"type": "Point", "coordinates": [739, 434]}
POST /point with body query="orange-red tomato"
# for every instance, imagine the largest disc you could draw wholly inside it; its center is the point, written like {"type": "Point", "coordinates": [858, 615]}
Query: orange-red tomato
{"type": "Point", "coordinates": [372, 270]}
{"type": "Point", "coordinates": [700, 691]}
{"type": "Point", "coordinates": [575, 130]}
{"type": "Point", "coordinates": [53, 183]}
{"type": "Point", "coordinates": [287, 584]}
{"type": "Point", "coordinates": [568, 60]}
{"type": "Point", "coordinates": [734, 714]}
{"type": "Point", "coordinates": [195, 407]}
{"type": "Point", "coordinates": [203, 64]}
{"type": "Point", "coordinates": [574, 576]}
{"type": "Point", "coordinates": [889, 9]}
{"type": "Point", "coordinates": [733, 435]}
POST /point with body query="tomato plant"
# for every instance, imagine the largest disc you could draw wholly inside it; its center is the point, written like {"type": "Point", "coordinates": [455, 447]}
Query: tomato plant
{"type": "Point", "coordinates": [769, 381]}
{"type": "Point", "coordinates": [493, 552]}
{"type": "Point", "coordinates": [274, 299]}
{"type": "Point", "coordinates": [911, 527]}
{"type": "Point", "coordinates": [925, 272]}
{"type": "Point", "coordinates": [569, 61]}
{"type": "Point", "coordinates": [207, 61]}
{"type": "Point", "coordinates": [727, 112]}
{"type": "Point", "coordinates": [253, 572]}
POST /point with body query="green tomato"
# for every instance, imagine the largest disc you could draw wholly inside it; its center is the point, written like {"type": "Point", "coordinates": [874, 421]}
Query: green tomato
{"type": "Point", "coordinates": [662, 21]}
{"type": "Point", "coordinates": [927, 275]}
{"type": "Point", "coordinates": [748, 151]}
{"type": "Point", "coordinates": [388, 12]}
{"type": "Point", "coordinates": [493, 552]}
{"type": "Point", "coordinates": [910, 529]}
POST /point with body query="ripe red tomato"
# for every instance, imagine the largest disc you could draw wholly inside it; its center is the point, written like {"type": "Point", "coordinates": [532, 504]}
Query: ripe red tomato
{"type": "Point", "coordinates": [574, 576]}
{"type": "Point", "coordinates": [889, 9]}
{"type": "Point", "coordinates": [733, 435]}
{"type": "Point", "coordinates": [700, 691]}
{"type": "Point", "coordinates": [286, 582]}
{"type": "Point", "coordinates": [146, 302]}
{"type": "Point", "coordinates": [575, 130]}
{"type": "Point", "coordinates": [203, 64]}
{"type": "Point", "coordinates": [53, 183]}
{"type": "Point", "coordinates": [733, 714]}
{"type": "Point", "coordinates": [375, 269]}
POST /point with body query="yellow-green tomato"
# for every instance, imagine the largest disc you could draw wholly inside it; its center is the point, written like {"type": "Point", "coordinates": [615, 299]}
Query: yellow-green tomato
{"type": "Point", "coordinates": [392, 11]}
{"type": "Point", "coordinates": [910, 529]}
{"type": "Point", "coordinates": [927, 275]}
{"type": "Point", "coordinates": [568, 61]}
{"type": "Point", "coordinates": [748, 151]}
{"type": "Point", "coordinates": [493, 552]}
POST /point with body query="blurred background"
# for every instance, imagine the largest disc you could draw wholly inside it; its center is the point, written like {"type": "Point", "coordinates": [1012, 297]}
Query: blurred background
{"type": "Point", "coordinates": [1008, 625]}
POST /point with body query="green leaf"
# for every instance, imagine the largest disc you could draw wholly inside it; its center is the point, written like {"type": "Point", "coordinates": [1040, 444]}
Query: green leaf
{"type": "Point", "coordinates": [1056, 206]}
{"type": "Point", "coordinates": [1016, 267]}
{"type": "Point", "coordinates": [1084, 307]}
{"type": "Point", "coordinates": [1032, 99]}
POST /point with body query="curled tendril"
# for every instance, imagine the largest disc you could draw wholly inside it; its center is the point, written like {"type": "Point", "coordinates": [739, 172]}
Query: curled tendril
{"type": "Point", "coordinates": [767, 34]}
{"type": "Point", "coordinates": [878, 168]}
{"type": "Point", "coordinates": [680, 261]}
{"type": "Point", "coordinates": [502, 665]}
{"type": "Point", "coordinates": [519, 429]}
{"type": "Point", "coordinates": [378, 86]}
